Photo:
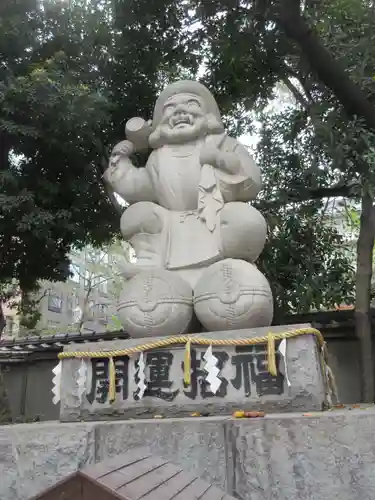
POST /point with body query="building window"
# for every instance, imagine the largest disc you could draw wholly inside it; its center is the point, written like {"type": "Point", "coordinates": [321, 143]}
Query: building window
{"type": "Point", "coordinates": [74, 298]}
{"type": "Point", "coordinates": [74, 273]}
{"type": "Point", "coordinates": [103, 286]}
{"type": "Point", "coordinates": [54, 303]}
{"type": "Point", "coordinates": [104, 257]}
{"type": "Point", "coordinates": [95, 280]}
{"type": "Point", "coordinates": [99, 311]}
{"type": "Point", "coordinates": [103, 310]}
{"type": "Point", "coordinates": [77, 314]}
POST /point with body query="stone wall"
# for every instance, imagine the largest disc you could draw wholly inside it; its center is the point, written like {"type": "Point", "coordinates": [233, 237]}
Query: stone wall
{"type": "Point", "coordinates": [29, 389]}
{"type": "Point", "coordinates": [323, 456]}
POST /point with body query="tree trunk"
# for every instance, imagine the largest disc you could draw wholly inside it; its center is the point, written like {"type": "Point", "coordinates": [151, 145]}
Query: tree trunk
{"type": "Point", "coordinates": [354, 101]}
{"type": "Point", "coordinates": [363, 327]}
{"type": "Point", "coordinates": [85, 315]}
{"type": "Point", "coordinates": [2, 319]}
{"type": "Point", "coordinates": [329, 71]}
{"type": "Point", "coordinates": [5, 413]}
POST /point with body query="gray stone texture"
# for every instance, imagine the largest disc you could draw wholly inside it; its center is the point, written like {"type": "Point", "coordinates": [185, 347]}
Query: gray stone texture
{"type": "Point", "coordinates": [325, 457]}
{"type": "Point", "coordinates": [197, 444]}
{"type": "Point", "coordinates": [320, 456]}
{"type": "Point", "coordinates": [35, 456]}
{"type": "Point", "coordinates": [307, 390]}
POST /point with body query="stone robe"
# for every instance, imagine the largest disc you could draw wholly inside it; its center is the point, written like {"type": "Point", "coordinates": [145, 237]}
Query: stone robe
{"type": "Point", "coordinates": [188, 200]}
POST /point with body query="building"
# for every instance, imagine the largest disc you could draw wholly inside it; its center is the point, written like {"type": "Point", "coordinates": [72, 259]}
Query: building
{"type": "Point", "coordinates": [87, 300]}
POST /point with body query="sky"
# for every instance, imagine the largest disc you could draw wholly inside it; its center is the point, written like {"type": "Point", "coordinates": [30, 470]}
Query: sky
{"type": "Point", "coordinates": [283, 98]}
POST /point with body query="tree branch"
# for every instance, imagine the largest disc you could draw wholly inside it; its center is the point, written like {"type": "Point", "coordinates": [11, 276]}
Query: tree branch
{"type": "Point", "coordinates": [339, 190]}
{"type": "Point", "coordinates": [78, 271]}
{"type": "Point", "coordinates": [286, 73]}
{"type": "Point", "coordinates": [346, 191]}
{"type": "Point", "coordinates": [326, 67]}
{"type": "Point", "coordinates": [39, 299]}
{"type": "Point", "coordinates": [298, 96]}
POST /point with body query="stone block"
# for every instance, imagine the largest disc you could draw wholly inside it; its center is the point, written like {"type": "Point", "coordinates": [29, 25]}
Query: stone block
{"type": "Point", "coordinates": [196, 444]}
{"type": "Point", "coordinates": [324, 456]}
{"type": "Point", "coordinates": [288, 457]}
{"type": "Point", "coordinates": [35, 456]}
{"type": "Point", "coordinates": [245, 381]}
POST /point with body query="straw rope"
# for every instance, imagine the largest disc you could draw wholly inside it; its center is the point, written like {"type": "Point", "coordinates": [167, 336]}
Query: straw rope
{"type": "Point", "coordinates": [190, 340]}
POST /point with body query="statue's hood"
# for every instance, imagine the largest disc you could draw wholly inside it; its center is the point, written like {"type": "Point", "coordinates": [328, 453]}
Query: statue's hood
{"type": "Point", "coordinates": [185, 87]}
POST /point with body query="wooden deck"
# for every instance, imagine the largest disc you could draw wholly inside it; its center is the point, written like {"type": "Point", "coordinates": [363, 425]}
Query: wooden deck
{"type": "Point", "coordinates": [135, 475]}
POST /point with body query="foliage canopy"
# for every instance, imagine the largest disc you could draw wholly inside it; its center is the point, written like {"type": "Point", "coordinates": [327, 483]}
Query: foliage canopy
{"type": "Point", "coordinates": [72, 73]}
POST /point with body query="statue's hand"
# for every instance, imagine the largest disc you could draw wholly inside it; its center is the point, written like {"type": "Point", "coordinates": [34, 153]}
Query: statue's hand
{"type": "Point", "coordinates": [122, 149]}
{"type": "Point", "coordinates": [210, 155]}
{"type": "Point", "coordinates": [227, 162]}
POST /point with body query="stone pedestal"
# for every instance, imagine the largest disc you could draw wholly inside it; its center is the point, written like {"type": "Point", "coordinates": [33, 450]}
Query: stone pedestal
{"type": "Point", "coordinates": [244, 381]}
{"type": "Point", "coordinates": [325, 455]}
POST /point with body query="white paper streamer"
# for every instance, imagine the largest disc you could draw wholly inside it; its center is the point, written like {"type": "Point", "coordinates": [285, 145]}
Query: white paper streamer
{"type": "Point", "coordinates": [212, 370]}
{"type": "Point", "coordinates": [88, 375]}
{"type": "Point", "coordinates": [282, 351]}
{"type": "Point", "coordinates": [82, 379]}
{"type": "Point", "coordinates": [142, 386]}
{"type": "Point", "coordinates": [56, 383]}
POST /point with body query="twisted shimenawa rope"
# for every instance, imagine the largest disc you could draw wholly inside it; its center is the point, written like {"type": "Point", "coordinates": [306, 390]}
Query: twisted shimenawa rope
{"type": "Point", "coordinates": [189, 340]}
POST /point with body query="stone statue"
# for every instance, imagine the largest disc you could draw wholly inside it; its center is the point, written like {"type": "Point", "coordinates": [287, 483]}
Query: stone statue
{"type": "Point", "coordinates": [189, 221]}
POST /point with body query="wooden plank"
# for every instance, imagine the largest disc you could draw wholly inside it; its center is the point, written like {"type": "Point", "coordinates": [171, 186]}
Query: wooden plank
{"type": "Point", "coordinates": [92, 491]}
{"type": "Point", "coordinates": [46, 494]}
{"type": "Point", "coordinates": [115, 463]}
{"type": "Point", "coordinates": [120, 477]}
{"type": "Point", "coordinates": [63, 490]}
{"type": "Point", "coordinates": [137, 475]}
{"type": "Point", "coordinates": [149, 482]}
{"type": "Point", "coordinates": [113, 481]}
{"type": "Point", "coordinates": [214, 493]}
{"type": "Point", "coordinates": [172, 488]}
{"type": "Point", "coordinates": [72, 489]}
{"type": "Point", "coordinates": [193, 491]}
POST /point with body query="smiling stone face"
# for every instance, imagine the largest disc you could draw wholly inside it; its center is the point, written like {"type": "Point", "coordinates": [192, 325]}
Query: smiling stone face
{"type": "Point", "coordinates": [184, 119]}
{"type": "Point", "coordinates": [182, 111]}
